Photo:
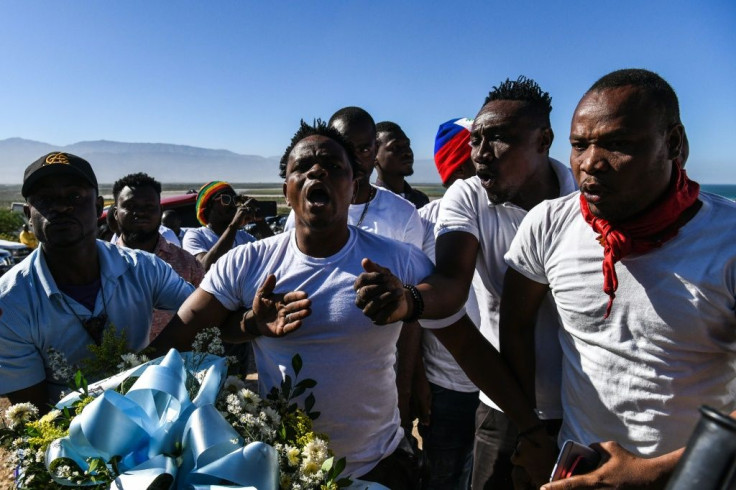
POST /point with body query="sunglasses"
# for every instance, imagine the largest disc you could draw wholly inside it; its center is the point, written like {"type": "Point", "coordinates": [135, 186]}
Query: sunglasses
{"type": "Point", "coordinates": [225, 199]}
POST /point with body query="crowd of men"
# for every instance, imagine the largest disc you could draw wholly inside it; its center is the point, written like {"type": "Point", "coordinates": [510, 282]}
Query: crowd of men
{"type": "Point", "coordinates": [532, 304]}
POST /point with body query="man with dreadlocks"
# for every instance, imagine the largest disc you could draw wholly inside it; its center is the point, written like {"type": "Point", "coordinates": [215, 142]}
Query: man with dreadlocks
{"type": "Point", "coordinates": [317, 264]}
{"type": "Point", "coordinates": [222, 221]}
{"type": "Point", "coordinates": [510, 139]}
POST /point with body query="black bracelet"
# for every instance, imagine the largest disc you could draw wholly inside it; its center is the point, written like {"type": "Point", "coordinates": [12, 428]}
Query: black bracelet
{"type": "Point", "coordinates": [418, 303]}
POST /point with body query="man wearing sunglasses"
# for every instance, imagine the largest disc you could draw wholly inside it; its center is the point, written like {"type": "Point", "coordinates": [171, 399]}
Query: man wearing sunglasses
{"type": "Point", "coordinates": [222, 221]}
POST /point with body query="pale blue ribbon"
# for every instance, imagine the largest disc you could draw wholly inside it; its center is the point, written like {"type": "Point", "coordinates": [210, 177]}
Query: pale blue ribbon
{"type": "Point", "coordinates": [145, 425]}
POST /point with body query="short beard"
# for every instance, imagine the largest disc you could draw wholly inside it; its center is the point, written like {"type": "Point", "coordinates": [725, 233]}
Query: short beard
{"type": "Point", "coordinates": [138, 236]}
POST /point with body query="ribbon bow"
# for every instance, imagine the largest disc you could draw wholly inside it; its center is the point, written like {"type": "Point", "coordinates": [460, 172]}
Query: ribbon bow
{"type": "Point", "coordinates": [145, 427]}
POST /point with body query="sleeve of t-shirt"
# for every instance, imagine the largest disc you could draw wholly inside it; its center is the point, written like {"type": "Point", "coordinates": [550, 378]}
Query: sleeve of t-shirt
{"type": "Point", "coordinates": [225, 279]}
{"type": "Point", "coordinates": [414, 231]}
{"type": "Point", "coordinates": [457, 211]}
{"type": "Point", "coordinates": [428, 240]}
{"type": "Point", "coordinates": [21, 364]}
{"type": "Point", "coordinates": [418, 267]}
{"type": "Point", "coordinates": [526, 253]}
{"type": "Point", "coordinates": [194, 243]}
{"type": "Point", "coordinates": [171, 289]}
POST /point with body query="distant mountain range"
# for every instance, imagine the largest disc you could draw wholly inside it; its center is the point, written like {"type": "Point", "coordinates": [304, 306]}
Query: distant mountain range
{"type": "Point", "coordinates": [167, 163]}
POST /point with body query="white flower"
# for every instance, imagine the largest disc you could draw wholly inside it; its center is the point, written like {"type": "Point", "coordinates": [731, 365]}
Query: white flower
{"type": "Point", "coordinates": [60, 368]}
{"type": "Point", "coordinates": [131, 359]}
{"type": "Point", "coordinates": [19, 413]}
{"type": "Point", "coordinates": [51, 416]}
{"type": "Point", "coordinates": [292, 455]}
{"type": "Point", "coordinates": [273, 415]}
{"type": "Point", "coordinates": [315, 452]}
{"type": "Point", "coordinates": [250, 400]}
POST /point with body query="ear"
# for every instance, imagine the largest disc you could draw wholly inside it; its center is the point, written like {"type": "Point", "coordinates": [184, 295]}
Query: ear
{"type": "Point", "coordinates": [675, 140]}
{"type": "Point", "coordinates": [283, 191]}
{"type": "Point", "coordinates": [546, 137]}
{"type": "Point", "coordinates": [100, 204]}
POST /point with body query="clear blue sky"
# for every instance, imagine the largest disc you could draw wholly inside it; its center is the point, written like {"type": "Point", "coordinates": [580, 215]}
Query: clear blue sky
{"type": "Point", "coordinates": [240, 74]}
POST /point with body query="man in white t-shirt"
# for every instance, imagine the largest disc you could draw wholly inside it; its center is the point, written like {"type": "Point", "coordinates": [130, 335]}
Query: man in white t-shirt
{"type": "Point", "coordinates": [380, 211]}
{"type": "Point", "coordinates": [643, 270]}
{"type": "Point", "coordinates": [478, 218]}
{"type": "Point", "coordinates": [350, 358]}
{"type": "Point", "coordinates": [447, 435]}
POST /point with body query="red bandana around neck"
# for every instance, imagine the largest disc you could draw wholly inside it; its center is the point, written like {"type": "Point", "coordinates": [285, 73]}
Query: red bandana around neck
{"type": "Point", "coordinates": [648, 231]}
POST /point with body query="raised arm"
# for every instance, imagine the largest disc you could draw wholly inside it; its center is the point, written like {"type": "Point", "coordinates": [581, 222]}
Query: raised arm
{"type": "Point", "coordinates": [226, 240]}
{"type": "Point", "coordinates": [272, 314]}
{"type": "Point", "coordinates": [444, 292]}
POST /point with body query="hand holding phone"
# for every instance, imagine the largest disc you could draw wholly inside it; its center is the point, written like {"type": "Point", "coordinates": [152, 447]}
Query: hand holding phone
{"type": "Point", "coordinates": [574, 459]}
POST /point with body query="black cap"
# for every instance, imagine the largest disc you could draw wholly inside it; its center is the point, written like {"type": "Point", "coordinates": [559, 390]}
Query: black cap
{"type": "Point", "coordinates": [57, 163]}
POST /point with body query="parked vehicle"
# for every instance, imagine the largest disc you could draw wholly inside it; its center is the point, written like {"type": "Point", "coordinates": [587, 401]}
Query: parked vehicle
{"type": "Point", "coordinates": [17, 250]}
{"type": "Point", "coordinates": [6, 261]}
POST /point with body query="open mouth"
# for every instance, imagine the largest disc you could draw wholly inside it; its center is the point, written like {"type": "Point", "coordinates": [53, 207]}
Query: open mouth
{"type": "Point", "coordinates": [592, 192]}
{"type": "Point", "coordinates": [318, 196]}
{"type": "Point", "coordinates": [487, 179]}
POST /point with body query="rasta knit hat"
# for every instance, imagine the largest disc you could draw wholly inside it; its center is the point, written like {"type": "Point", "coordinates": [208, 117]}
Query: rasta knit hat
{"type": "Point", "coordinates": [57, 163]}
{"type": "Point", "coordinates": [205, 195]}
{"type": "Point", "coordinates": [451, 148]}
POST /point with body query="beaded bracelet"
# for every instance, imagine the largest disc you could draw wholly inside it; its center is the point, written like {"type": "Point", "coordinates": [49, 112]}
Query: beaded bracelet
{"type": "Point", "coordinates": [418, 303]}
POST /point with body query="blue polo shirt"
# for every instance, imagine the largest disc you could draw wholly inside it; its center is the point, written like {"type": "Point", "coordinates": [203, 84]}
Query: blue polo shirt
{"type": "Point", "coordinates": [37, 316]}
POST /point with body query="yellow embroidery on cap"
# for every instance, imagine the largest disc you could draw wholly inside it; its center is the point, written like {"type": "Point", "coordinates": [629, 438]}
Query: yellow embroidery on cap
{"type": "Point", "coordinates": [57, 158]}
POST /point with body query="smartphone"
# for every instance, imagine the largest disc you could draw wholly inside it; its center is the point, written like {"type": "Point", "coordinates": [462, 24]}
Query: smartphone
{"type": "Point", "coordinates": [265, 208]}
{"type": "Point", "coordinates": [574, 459]}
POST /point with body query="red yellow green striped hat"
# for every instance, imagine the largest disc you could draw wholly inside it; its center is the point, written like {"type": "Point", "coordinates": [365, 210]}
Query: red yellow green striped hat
{"type": "Point", "coordinates": [205, 194]}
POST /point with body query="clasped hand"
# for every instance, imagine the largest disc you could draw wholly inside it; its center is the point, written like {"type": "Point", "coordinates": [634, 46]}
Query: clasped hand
{"type": "Point", "coordinates": [380, 294]}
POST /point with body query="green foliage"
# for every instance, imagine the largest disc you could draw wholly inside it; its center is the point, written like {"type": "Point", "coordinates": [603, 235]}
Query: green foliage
{"type": "Point", "coordinates": [10, 223]}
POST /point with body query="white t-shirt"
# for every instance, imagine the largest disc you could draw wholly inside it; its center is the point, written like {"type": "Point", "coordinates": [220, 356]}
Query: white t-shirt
{"type": "Point", "coordinates": [440, 366]}
{"type": "Point", "coordinates": [465, 207]}
{"type": "Point", "coordinates": [350, 358]}
{"type": "Point", "coordinates": [202, 239]}
{"type": "Point", "coordinates": [387, 214]}
{"type": "Point", "coordinates": [669, 344]}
